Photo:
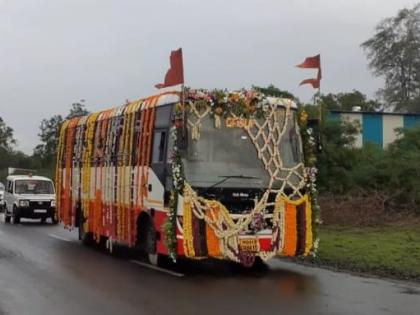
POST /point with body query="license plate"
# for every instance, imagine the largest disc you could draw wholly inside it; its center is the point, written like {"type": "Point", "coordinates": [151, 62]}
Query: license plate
{"type": "Point", "coordinates": [248, 244]}
{"type": "Point", "coordinates": [40, 210]}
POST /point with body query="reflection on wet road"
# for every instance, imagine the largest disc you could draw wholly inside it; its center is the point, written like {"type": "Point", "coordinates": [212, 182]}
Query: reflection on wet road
{"type": "Point", "coordinates": [44, 270]}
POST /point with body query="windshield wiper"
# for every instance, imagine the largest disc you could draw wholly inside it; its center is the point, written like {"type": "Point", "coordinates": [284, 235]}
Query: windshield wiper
{"type": "Point", "coordinates": [227, 177]}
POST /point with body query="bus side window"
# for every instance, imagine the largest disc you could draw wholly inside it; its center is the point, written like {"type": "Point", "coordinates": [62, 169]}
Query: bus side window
{"type": "Point", "coordinates": [159, 145]}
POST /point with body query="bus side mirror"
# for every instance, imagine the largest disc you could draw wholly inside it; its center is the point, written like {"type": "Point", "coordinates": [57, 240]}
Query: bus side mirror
{"type": "Point", "coordinates": [314, 124]}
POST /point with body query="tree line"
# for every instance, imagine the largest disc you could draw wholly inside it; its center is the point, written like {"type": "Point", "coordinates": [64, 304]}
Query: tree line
{"type": "Point", "coordinates": [43, 157]}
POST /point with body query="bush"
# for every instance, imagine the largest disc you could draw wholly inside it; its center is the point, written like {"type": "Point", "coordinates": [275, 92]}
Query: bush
{"type": "Point", "coordinates": [393, 174]}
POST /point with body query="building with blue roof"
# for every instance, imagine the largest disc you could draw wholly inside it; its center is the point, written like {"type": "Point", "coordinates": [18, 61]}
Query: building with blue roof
{"type": "Point", "coordinates": [377, 127]}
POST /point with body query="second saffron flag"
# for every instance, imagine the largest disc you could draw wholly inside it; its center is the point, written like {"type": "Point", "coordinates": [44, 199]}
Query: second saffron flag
{"type": "Point", "coordinates": [313, 62]}
{"type": "Point", "coordinates": [175, 74]}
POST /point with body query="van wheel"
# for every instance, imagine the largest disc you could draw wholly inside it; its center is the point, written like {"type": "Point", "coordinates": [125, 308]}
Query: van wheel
{"type": "Point", "coordinates": [6, 217]}
{"type": "Point", "coordinates": [43, 220]}
{"type": "Point", "coordinates": [54, 220]}
{"type": "Point", "coordinates": [15, 216]}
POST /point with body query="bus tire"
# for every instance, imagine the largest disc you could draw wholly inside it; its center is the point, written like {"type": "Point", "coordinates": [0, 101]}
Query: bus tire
{"type": "Point", "coordinates": [259, 265]}
{"type": "Point", "coordinates": [152, 256]}
{"type": "Point", "coordinates": [86, 238]}
{"type": "Point", "coordinates": [146, 239]}
{"type": "Point", "coordinates": [153, 259]}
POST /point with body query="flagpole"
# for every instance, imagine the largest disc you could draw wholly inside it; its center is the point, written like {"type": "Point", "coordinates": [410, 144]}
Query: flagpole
{"type": "Point", "coordinates": [318, 99]}
{"type": "Point", "coordinates": [182, 94]}
{"type": "Point", "coordinates": [314, 62]}
{"type": "Point", "coordinates": [183, 104]}
{"type": "Point", "coordinates": [320, 117]}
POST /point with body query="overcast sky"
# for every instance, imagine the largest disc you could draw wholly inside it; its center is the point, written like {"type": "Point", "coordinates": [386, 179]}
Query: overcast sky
{"type": "Point", "coordinates": [56, 52]}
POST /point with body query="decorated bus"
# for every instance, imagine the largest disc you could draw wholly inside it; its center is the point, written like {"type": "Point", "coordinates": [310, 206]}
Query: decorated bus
{"type": "Point", "coordinates": [194, 174]}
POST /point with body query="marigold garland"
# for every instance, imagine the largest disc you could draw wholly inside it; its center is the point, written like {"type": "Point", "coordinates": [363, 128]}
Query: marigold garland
{"type": "Point", "coordinates": [290, 234]}
{"type": "Point", "coordinates": [310, 150]}
{"type": "Point", "coordinates": [188, 230]}
{"type": "Point", "coordinates": [59, 172]}
{"type": "Point", "coordinates": [213, 246]}
{"type": "Point", "coordinates": [309, 236]}
{"type": "Point", "coordinates": [277, 240]}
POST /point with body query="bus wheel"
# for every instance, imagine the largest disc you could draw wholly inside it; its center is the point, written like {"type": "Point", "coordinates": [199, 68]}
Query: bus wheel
{"type": "Point", "coordinates": [153, 257]}
{"type": "Point", "coordinates": [146, 239]}
{"type": "Point", "coordinates": [85, 237]}
{"type": "Point", "coordinates": [259, 265]}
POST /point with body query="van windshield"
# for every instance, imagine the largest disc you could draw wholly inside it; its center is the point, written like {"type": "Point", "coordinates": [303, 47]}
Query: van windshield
{"type": "Point", "coordinates": [34, 187]}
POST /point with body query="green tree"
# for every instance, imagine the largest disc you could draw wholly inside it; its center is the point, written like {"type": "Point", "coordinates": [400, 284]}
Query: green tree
{"type": "Point", "coordinates": [338, 156]}
{"type": "Point", "coordinates": [394, 53]}
{"type": "Point", "coordinates": [9, 157]}
{"type": "Point", "coordinates": [49, 133]}
{"type": "Point", "coordinates": [274, 91]}
{"type": "Point", "coordinates": [77, 109]}
{"type": "Point", "coordinates": [6, 136]}
{"type": "Point", "coordinates": [393, 172]}
{"type": "Point", "coordinates": [346, 101]}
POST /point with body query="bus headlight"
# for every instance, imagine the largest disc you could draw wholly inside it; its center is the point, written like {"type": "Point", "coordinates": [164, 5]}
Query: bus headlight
{"type": "Point", "coordinates": [23, 203]}
{"type": "Point", "coordinates": [52, 203]}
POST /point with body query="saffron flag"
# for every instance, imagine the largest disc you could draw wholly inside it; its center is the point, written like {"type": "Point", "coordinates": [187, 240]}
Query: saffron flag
{"type": "Point", "coordinates": [312, 63]}
{"type": "Point", "coordinates": [315, 82]}
{"type": "Point", "coordinates": [175, 74]}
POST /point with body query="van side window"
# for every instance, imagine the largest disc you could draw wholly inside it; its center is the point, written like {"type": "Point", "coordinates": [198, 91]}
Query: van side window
{"type": "Point", "coordinates": [159, 145]}
{"type": "Point", "coordinates": [10, 186]}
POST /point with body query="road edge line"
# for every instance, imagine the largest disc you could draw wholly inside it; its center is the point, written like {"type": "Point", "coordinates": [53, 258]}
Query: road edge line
{"type": "Point", "coordinates": [59, 237]}
{"type": "Point", "coordinates": [172, 273]}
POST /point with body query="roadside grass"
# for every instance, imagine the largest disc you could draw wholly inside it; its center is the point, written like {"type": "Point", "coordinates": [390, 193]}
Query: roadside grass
{"type": "Point", "coordinates": [390, 251]}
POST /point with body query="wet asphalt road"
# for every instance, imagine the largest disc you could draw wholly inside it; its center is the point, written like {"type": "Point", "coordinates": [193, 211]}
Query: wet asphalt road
{"type": "Point", "coordinates": [44, 270]}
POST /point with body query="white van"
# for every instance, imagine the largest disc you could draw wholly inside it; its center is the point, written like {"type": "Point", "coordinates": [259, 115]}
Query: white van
{"type": "Point", "coordinates": [28, 196]}
{"type": "Point", "coordinates": [1, 197]}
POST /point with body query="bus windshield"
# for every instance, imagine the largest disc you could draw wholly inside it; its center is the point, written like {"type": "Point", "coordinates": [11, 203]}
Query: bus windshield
{"type": "Point", "coordinates": [228, 158]}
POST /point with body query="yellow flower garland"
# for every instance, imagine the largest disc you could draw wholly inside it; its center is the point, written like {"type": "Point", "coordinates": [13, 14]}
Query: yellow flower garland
{"type": "Point", "coordinates": [86, 168]}
{"type": "Point", "coordinates": [188, 229]}
{"type": "Point", "coordinates": [309, 234]}
{"type": "Point", "coordinates": [59, 171]}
